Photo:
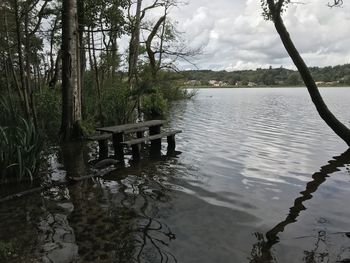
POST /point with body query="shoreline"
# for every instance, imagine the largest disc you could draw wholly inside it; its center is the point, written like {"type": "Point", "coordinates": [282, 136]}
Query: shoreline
{"type": "Point", "coordinates": [259, 87]}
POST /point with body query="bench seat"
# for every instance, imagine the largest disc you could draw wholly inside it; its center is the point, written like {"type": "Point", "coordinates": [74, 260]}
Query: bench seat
{"type": "Point", "coordinates": [155, 143]}
{"type": "Point", "coordinates": [99, 137]}
{"type": "Point", "coordinates": [151, 138]}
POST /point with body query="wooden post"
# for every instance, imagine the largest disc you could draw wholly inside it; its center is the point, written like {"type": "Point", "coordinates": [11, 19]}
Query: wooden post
{"type": "Point", "coordinates": [135, 152]}
{"type": "Point", "coordinates": [118, 147]}
{"type": "Point", "coordinates": [103, 149]}
{"type": "Point", "coordinates": [139, 134]}
{"type": "Point", "coordinates": [156, 145]}
{"type": "Point", "coordinates": [171, 143]}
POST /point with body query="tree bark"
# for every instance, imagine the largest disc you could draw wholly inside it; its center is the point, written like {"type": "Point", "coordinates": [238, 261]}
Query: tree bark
{"type": "Point", "coordinates": [151, 54]}
{"type": "Point", "coordinates": [56, 72]}
{"type": "Point", "coordinates": [134, 46]}
{"type": "Point", "coordinates": [98, 86]}
{"type": "Point", "coordinates": [71, 82]}
{"type": "Point", "coordinates": [20, 60]}
{"type": "Point", "coordinates": [339, 128]}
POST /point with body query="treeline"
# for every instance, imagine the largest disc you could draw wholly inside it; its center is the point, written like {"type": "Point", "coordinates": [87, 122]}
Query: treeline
{"type": "Point", "coordinates": [337, 75]}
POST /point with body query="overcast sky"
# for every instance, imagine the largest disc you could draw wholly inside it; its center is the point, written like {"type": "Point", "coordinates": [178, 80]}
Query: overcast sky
{"type": "Point", "coordinates": [234, 36]}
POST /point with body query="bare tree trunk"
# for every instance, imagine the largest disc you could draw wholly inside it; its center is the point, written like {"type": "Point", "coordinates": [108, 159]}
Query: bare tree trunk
{"type": "Point", "coordinates": [99, 101]}
{"type": "Point", "coordinates": [339, 128]}
{"type": "Point", "coordinates": [151, 54]}
{"type": "Point", "coordinates": [28, 77]}
{"type": "Point", "coordinates": [81, 26]}
{"type": "Point", "coordinates": [134, 46]}
{"type": "Point", "coordinates": [20, 60]}
{"type": "Point", "coordinates": [114, 58]}
{"type": "Point", "coordinates": [52, 61]}
{"type": "Point", "coordinates": [71, 85]}
{"type": "Point", "coordinates": [8, 84]}
{"type": "Point", "coordinates": [14, 75]}
{"type": "Point", "coordinates": [54, 79]}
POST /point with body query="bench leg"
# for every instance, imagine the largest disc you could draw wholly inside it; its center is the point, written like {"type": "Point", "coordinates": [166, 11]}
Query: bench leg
{"type": "Point", "coordinates": [156, 145]}
{"type": "Point", "coordinates": [135, 152]}
{"type": "Point", "coordinates": [171, 143]}
{"type": "Point", "coordinates": [140, 135]}
{"type": "Point", "coordinates": [118, 147]}
{"type": "Point", "coordinates": [103, 149]}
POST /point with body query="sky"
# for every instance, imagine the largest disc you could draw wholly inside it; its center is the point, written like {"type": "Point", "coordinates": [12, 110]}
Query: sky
{"type": "Point", "coordinates": [234, 36]}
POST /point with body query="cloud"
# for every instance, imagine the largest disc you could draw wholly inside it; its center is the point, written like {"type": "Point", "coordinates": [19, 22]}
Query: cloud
{"type": "Point", "coordinates": [235, 36]}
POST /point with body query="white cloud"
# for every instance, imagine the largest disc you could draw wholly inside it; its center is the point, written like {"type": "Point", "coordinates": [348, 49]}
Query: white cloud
{"type": "Point", "coordinates": [235, 36]}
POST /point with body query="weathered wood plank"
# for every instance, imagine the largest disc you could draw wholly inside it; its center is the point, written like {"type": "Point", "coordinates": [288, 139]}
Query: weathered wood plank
{"type": "Point", "coordinates": [151, 138]}
{"type": "Point", "coordinates": [99, 137]}
{"type": "Point", "coordinates": [127, 127]}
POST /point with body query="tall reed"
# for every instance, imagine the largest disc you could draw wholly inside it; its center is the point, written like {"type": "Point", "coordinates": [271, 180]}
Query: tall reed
{"type": "Point", "coordinates": [20, 146]}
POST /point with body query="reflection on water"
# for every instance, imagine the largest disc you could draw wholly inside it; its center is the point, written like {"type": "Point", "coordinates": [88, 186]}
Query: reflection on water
{"type": "Point", "coordinates": [248, 155]}
{"type": "Point", "coordinates": [262, 250]}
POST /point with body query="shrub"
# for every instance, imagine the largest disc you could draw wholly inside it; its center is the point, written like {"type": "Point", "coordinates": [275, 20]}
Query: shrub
{"type": "Point", "coordinates": [49, 113]}
{"type": "Point", "coordinates": [154, 104]}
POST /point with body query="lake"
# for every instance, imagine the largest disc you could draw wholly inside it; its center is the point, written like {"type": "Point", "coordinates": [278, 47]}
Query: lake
{"type": "Point", "coordinates": [260, 178]}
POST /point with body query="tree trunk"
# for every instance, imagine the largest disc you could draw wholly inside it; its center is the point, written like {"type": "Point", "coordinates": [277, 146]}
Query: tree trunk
{"type": "Point", "coordinates": [56, 72]}
{"type": "Point", "coordinates": [151, 54]}
{"type": "Point", "coordinates": [81, 27]}
{"type": "Point", "coordinates": [134, 46]}
{"type": "Point", "coordinates": [20, 61]}
{"type": "Point", "coordinates": [98, 86]}
{"type": "Point", "coordinates": [340, 129]}
{"type": "Point", "coordinates": [71, 85]}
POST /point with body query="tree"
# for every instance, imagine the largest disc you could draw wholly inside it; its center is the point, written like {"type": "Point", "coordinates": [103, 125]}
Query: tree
{"type": "Point", "coordinates": [273, 10]}
{"type": "Point", "coordinates": [71, 81]}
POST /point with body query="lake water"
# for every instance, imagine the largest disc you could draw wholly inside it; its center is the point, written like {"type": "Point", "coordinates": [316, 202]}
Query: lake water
{"type": "Point", "coordinates": [261, 178]}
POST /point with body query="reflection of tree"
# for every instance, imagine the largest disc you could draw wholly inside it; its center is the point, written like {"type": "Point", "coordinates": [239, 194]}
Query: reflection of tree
{"type": "Point", "coordinates": [261, 251]}
{"type": "Point", "coordinates": [116, 220]}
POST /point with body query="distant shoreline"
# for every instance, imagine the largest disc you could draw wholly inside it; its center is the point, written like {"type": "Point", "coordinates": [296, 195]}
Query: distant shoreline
{"type": "Point", "coordinates": [260, 87]}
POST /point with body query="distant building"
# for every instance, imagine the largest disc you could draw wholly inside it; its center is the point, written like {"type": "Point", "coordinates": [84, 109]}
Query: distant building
{"type": "Point", "coordinates": [217, 83]}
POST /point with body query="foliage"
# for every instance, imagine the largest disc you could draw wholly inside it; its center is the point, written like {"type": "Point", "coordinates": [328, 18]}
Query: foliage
{"type": "Point", "coordinates": [157, 94]}
{"type": "Point", "coordinates": [154, 104]}
{"type": "Point", "coordinates": [117, 104]}
{"type": "Point", "coordinates": [20, 147]}
{"type": "Point", "coordinates": [115, 100]}
{"type": "Point", "coordinates": [49, 112]}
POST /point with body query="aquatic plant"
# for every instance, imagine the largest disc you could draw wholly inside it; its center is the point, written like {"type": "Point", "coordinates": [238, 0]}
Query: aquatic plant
{"type": "Point", "coordinates": [20, 147]}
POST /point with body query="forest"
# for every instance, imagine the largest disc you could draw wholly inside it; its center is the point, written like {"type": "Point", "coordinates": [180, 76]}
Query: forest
{"type": "Point", "coordinates": [332, 76]}
{"type": "Point", "coordinates": [62, 58]}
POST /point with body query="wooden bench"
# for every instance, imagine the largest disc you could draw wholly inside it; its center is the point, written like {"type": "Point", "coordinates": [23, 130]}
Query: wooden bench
{"type": "Point", "coordinates": [103, 138]}
{"type": "Point", "coordinates": [156, 143]}
{"type": "Point", "coordinates": [119, 131]}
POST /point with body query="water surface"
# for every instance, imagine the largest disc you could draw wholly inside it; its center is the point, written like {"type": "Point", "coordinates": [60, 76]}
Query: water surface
{"type": "Point", "coordinates": [261, 178]}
